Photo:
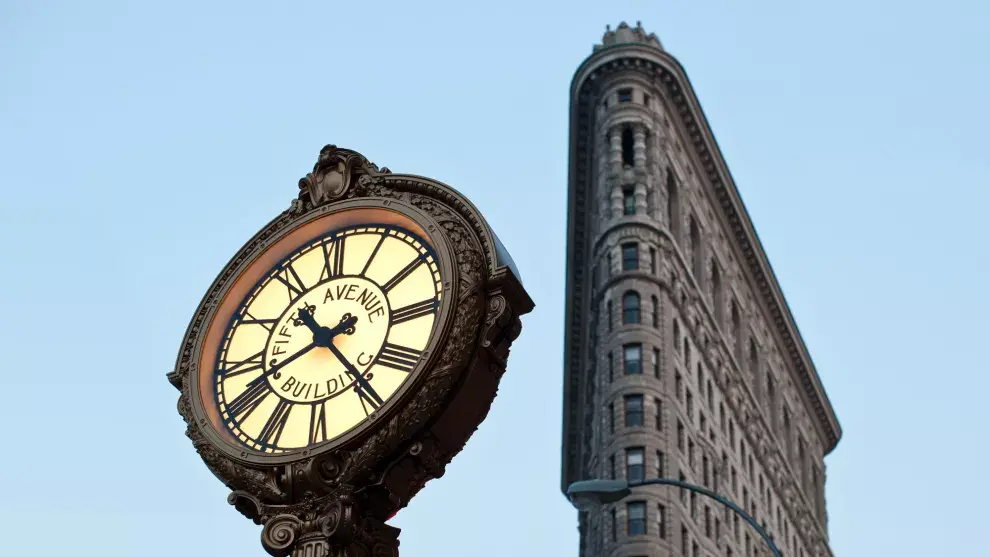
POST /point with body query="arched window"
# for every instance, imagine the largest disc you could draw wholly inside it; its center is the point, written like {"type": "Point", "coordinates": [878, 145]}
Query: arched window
{"type": "Point", "coordinates": [630, 308]}
{"type": "Point", "coordinates": [673, 204]}
{"type": "Point", "coordinates": [608, 317]}
{"type": "Point", "coordinates": [656, 312]}
{"type": "Point", "coordinates": [694, 234]}
{"type": "Point", "coordinates": [627, 146]}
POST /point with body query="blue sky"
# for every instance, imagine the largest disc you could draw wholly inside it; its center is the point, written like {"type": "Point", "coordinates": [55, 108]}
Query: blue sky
{"type": "Point", "coordinates": [142, 143]}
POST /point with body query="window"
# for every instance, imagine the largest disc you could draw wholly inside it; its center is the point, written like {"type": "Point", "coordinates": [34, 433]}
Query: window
{"type": "Point", "coordinates": [608, 263]}
{"type": "Point", "coordinates": [635, 468]}
{"type": "Point", "coordinates": [608, 315]}
{"type": "Point", "coordinates": [754, 365]}
{"type": "Point", "coordinates": [680, 436]}
{"type": "Point", "coordinates": [636, 513]}
{"type": "Point", "coordinates": [661, 521]}
{"type": "Point", "coordinates": [677, 336]}
{"type": "Point", "coordinates": [611, 368]}
{"type": "Point", "coordinates": [646, 99]}
{"type": "Point", "coordinates": [630, 308]}
{"type": "Point", "coordinates": [678, 384]}
{"type": "Point", "coordinates": [711, 397]}
{"type": "Point", "coordinates": [682, 492]}
{"type": "Point", "coordinates": [630, 257]}
{"type": "Point", "coordinates": [687, 353]}
{"type": "Point", "coordinates": [659, 416]}
{"type": "Point", "coordinates": [611, 466]}
{"type": "Point", "coordinates": [634, 410]}
{"type": "Point", "coordinates": [634, 359]}
{"type": "Point", "coordinates": [595, 276]}
{"type": "Point", "coordinates": [702, 423]}
{"type": "Point", "coordinates": [772, 401]}
{"type": "Point", "coordinates": [673, 204]}
{"type": "Point", "coordinates": [690, 452]}
{"type": "Point", "coordinates": [694, 505]}
{"type": "Point", "coordinates": [694, 549]}
{"type": "Point", "coordinates": [627, 146]}
{"type": "Point", "coordinates": [684, 539]}
{"type": "Point", "coordinates": [615, 525]}
{"type": "Point", "coordinates": [653, 261]}
{"type": "Point", "coordinates": [625, 95]}
{"type": "Point", "coordinates": [694, 237]}
{"type": "Point", "coordinates": [611, 417]}
{"type": "Point", "coordinates": [656, 362]}
{"type": "Point", "coordinates": [690, 406]}
{"type": "Point", "coordinates": [656, 314]}
{"type": "Point", "coordinates": [708, 521]}
{"type": "Point", "coordinates": [700, 374]}
{"type": "Point", "coordinates": [736, 331]}
{"type": "Point", "coordinates": [717, 294]}
{"type": "Point", "coordinates": [721, 416]}
{"type": "Point", "coordinates": [735, 481]}
{"type": "Point", "coordinates": [628, 201]}
{"type": "Point", "coordinates": [787, 433]}
{"type": "Point", "coordinates": [659, 470]}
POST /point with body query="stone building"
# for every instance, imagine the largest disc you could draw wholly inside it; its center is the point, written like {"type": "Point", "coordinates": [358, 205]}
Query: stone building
{"type": "Point", "coordinates": [682, 359]}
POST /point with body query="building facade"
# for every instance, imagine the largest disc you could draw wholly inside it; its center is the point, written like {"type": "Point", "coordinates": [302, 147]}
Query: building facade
{"type": "Point", "coordinates": [682, 359]}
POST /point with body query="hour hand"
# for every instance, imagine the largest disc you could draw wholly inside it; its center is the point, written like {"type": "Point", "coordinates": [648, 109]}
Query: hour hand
{"type": "Point", "coordinates": [305, 317]}
{"type": "Point", "coordinates": [346, 325]}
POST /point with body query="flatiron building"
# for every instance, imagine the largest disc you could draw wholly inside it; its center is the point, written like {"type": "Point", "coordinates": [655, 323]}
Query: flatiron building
{"type": "Point", "coordinates": [682, 359]}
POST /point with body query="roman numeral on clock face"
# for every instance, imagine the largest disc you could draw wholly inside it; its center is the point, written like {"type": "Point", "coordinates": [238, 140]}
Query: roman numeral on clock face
{"type": "Point", "coordinates": [374, 252]}
{"type": "Point", "coordinates": [401, 275]}
{"type": "Point", "coordinates": [368, 403]}
{"type": "Point", "coordinates": [276, 424]}
{"type": "Point", "coordinates": [268, 324]}
{"type": "Point", "coordinates": [252, 363]}
{"type": "Point", "coordinates": [248, 401]}
{"type": "Point", "coordinates": [291, 280]}
{"type": "Point", "coordinates": [333, 257]}
{"type": "Point", "coordinates": [399, 357]}
{"type": "Point", "coordinates": [318, 423]}
{"type": "Point", "coordinates": [414, 311]}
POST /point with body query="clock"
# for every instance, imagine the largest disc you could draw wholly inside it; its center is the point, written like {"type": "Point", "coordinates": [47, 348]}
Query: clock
{"type": "Point", "coordinates": [346, 353]}
{"type": "Point", "coordinates": [326, 337]}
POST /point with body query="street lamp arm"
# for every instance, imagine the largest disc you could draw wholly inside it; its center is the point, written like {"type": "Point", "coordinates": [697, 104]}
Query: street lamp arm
{"type": "Point", "coordinates": [712, 495]}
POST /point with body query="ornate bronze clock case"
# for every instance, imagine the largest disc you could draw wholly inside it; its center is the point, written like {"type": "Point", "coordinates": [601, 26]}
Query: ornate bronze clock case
{"type": "Point", "coordinates": [325, 386]}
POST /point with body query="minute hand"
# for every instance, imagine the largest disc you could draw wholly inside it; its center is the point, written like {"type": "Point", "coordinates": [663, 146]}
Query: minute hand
{"type": "Point", "coordinates": [276, 368]}
{"type": "Point", "coordinates": [365, 386]}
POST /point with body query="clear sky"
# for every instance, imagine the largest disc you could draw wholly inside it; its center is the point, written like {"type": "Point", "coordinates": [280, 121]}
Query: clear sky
{"type": "Point", "coordinates": [141, 143]}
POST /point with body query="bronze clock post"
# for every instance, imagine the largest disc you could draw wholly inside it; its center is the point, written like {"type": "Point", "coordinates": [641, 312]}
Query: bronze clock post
{"type": "Point", "coordinates": [346, 353]}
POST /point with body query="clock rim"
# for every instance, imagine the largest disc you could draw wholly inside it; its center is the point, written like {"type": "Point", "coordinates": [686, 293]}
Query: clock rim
{"type": "Point", "coordinates": [417, 221]}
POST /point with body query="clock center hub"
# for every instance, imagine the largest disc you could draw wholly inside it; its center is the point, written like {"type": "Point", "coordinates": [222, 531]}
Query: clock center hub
{"type": "Point", "coordinates": [349, 313]}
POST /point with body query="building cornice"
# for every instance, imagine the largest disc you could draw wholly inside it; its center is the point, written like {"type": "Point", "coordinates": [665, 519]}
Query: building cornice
{"type": "Point", "coordinates": [668, 74]}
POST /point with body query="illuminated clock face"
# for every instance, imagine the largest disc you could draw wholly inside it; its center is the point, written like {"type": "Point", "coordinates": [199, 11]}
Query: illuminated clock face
{"type": "Point", "coordinates": [326, 337]}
